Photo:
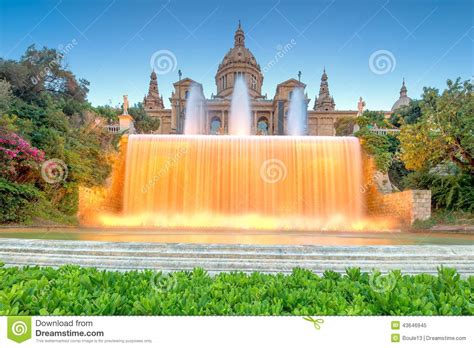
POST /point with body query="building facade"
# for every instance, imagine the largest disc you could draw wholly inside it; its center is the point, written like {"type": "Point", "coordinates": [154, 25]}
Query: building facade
{"type": "Point", "coordinates": [269, 115]}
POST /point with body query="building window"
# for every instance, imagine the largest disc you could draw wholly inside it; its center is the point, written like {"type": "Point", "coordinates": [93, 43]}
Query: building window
{"type": "Point", "coordinates": [254, 82]}
{"type": "Point", "coordinates": [290, 94]}
{"type": "Point", "coordinates": [216, 125]}
{"type": "Point", "coordinates": [263, 126]}
{"type": "Point", "coordinates": [186, 93]}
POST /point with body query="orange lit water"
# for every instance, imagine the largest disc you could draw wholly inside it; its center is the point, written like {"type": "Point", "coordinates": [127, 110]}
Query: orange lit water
{"type": "Point", "coordinates": [249, 182]}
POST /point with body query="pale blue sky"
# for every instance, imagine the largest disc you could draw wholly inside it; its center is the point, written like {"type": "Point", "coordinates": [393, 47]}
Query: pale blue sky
{"type": "Point", "coordinates": [112, 41]}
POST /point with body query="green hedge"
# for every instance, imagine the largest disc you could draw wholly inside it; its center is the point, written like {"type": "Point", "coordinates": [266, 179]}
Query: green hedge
{"type": "Point", "coordinates": [16, 201]}
{"type": "Point", "coordinates": [71, 290]}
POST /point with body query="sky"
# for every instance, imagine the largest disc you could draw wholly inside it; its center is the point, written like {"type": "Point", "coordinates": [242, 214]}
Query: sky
{"type": "Point", "coordinates": [367, 47]}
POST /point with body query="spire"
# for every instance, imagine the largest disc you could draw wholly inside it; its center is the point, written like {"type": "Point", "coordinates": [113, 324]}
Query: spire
{"type": "Point", "coordinates": [239, 37]}
{"type": "Point", "coordinates": [153, 100]}
{"type": "Point", "coordinates": [324, 102]}
{"type": "Point", "coordinates": [403, 90]}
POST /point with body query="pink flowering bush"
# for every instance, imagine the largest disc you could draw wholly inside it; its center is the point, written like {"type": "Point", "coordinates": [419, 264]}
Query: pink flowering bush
{"type": "Point", "coordinates": [17, 157]}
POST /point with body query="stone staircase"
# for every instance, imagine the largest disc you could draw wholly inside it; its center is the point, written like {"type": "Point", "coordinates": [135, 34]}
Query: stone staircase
{"type": "Point", "coordinates": [235, 257]}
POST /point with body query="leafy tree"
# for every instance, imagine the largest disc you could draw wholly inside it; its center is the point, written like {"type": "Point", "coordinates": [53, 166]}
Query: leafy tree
{"type": "Point", "coordinates": [143, 122]}
{"type": "Point", "coordinates": [107, 112]}
{"type": "Point", "coordinates": [378, 146]}
{"type": "Point", "coordinates": [40, 71]}
{"type": "Point", "coordinates": [408, 114]}
{"type": "Point", "coordinates": [47, 108]}
{"type": "Point", "coordinates": [5, 96]}
{"type": "Point", "coordinates": [445, 130]}
{"type": "Point", "coordinates": [372, 118]}
{"type": "Point", "coordinates": [345, 126]}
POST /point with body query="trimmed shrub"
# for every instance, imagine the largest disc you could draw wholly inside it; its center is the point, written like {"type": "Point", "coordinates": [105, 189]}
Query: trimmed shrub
{"type": "Point", "coordinates": [72, 290]}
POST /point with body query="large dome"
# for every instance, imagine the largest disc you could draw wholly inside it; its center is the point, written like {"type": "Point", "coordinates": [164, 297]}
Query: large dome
{"type": "Point", "coordinates": [239, 61]}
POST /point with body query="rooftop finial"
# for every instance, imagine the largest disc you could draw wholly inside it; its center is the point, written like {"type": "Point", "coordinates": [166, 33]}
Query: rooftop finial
{"type": "Point", "coordinates": [403, 90]}
{"type": "Point", "coordinates": [239, 37]}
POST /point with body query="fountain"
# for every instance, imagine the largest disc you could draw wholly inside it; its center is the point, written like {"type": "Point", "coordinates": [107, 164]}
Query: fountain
{"type": "Point", "coordinates": [240, 120]}
{"type": "Point", "coordinates": [241, 181]}
{"type": "Point", "coordinates": [195, 117]}
{"type": "Point", "coordinates": [297, 113]}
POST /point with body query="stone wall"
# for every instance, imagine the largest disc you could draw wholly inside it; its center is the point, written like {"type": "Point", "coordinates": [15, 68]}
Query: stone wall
{"type": "Point", "coordinates": [405, 206]}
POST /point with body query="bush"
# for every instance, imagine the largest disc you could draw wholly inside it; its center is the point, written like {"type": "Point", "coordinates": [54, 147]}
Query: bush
{"type": "Point", "coordinates": [71, 290]}
{"type": "Point", "coordinates": [452, 192]}
{"type": "Point", "coordinates": [16, 201]}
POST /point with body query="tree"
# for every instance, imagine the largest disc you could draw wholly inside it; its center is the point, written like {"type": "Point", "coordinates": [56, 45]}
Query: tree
{"type": "Point", "coordinates": [345, 126]}
{"type": "Point", "coordinates": [372, 118]}
{"type": "Point", "coordinates": [46, 116]}
{"type": "Point", "coordinates": [143, 123]}
{"type": "Point", "coordinates": [408, 114]}
{"type": "Point", "coordinates": [378, 146]}
{"type": "Point", "coordinates": [5, 96]}
{"type": "Point", "coordinates": [40, 71]}
{"type": "Point", "coordinates": [444, 132]}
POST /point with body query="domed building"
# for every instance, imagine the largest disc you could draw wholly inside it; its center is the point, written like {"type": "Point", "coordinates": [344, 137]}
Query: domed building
{"type": "Point", "coordinates": [404, 100]}
{"type": "Point", "coordinates": [239, 61]}
{"type": "Point", "coordinates": [269, 116]}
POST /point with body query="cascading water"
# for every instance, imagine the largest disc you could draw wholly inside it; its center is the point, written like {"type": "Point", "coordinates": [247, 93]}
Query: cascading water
{"type": "Point", "coordinates": [297, 113]}
{"type": "Point", "coordinates": [251, 182]}
{"type": "Point", "coordinates": [240, 120]}
{"type": "Point", "coordinates": [195, 117]}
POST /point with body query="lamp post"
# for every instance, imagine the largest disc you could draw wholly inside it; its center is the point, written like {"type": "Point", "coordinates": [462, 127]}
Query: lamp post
{"type": "Point", "coordinates": [178, 125]}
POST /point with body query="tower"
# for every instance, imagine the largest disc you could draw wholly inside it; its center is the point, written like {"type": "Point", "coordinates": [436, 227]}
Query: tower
{"type": "Point", "coordinates": [153, 100]}
{"type": "Point", "coordinates": [324, 102]}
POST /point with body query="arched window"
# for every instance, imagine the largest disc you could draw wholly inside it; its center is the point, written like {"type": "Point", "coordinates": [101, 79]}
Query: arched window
{"type": "Point", "coordinates": [216, 125]}
{"type": "Point", "coordinates": [186, 93]}
{"type": "Point", "coordinates": [263, 126]}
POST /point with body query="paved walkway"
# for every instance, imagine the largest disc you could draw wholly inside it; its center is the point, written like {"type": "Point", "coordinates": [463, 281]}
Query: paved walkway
{"type": "Point", "coordinates": [409, 259]}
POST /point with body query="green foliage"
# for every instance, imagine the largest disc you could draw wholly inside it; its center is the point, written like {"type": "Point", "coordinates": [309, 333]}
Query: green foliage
{"type": "Point", "coordinates": [143, 122]}
{"type": "Point", "coordinates": [71, 290]}
{"type": "Point", "coordinates": [445, 217]}
{"type": "Point", "coordinates": [108, 112]}
{"type": "Point", "coordinates": [445, 130]}
{"type": "Point", "coordinates": [5, 96]}
{"type": "Point", "coordinates": [49, 110]}
{"type": "Point", "coordinates": [345, 126]}
{"type": "Point", "coordinates": [372, 118]}
{"type": "Point", "coordinates": [452, 192]}
{"type": "Point", "coordinates": [16, 201]}
{"type": "Point", "coordinates": [378, 146]}
{"type": "Point", "coordinates": [409, 114]}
